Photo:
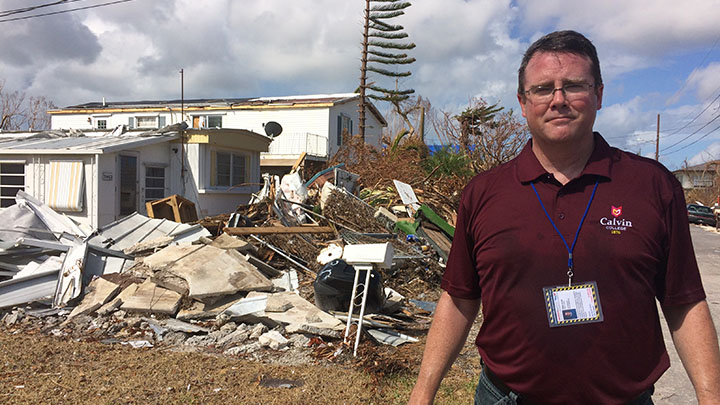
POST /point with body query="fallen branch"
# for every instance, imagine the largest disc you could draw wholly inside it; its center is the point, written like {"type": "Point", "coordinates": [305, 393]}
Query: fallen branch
{"type": "Point", "coordinates": [272, 230]}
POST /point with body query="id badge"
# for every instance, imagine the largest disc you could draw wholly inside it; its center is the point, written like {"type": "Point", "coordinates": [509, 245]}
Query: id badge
{"type": "Point", "coordinates": [573, 305]}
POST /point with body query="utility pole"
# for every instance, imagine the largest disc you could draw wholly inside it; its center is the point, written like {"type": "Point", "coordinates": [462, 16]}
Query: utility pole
{"type": "Point", "coordinates": [657, 140]}
{"type": "Point", "coordinates": [182, 130]}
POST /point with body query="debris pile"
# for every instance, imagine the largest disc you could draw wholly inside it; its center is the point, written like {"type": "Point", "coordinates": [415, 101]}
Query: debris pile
{"type": "Point", "coordinates": [234, 283]}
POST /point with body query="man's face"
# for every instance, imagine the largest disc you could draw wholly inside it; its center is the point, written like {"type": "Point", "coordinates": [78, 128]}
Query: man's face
{"type": "Point", "coordinates": [561, 118]}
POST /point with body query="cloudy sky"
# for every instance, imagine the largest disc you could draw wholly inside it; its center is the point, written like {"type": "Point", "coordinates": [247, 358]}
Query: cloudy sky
{"type": "Point", "coordinates": [657, 56]}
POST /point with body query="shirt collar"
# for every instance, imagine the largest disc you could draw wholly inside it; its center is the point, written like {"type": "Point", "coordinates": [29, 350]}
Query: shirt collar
{"type": "Point", "coordinates": [599, 164]}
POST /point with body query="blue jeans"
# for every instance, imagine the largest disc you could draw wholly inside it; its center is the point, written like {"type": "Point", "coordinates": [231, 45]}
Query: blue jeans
{"type": "Point", "coordinates": [487, 394]}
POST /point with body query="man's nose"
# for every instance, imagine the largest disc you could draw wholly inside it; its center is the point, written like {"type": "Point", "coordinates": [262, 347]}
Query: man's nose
{"type": "Point", "coordinates": [558, 96]}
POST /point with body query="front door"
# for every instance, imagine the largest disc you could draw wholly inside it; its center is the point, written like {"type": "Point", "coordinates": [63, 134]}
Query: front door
{"type": "Point", "coordinates": [128, 185]}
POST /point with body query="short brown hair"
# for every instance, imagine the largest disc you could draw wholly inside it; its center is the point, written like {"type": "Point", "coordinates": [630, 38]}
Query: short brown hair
{"type": "Point", "coordinates": [561, 41]}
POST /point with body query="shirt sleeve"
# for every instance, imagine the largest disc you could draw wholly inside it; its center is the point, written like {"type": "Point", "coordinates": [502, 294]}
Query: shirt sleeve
{"type": "Point", "coordinates": [461, 279]}
{"type": "Point", "coordinates": [681, 283]}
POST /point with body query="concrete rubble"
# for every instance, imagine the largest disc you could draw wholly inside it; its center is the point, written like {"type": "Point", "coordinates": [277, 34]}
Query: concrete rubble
{"type": "Point", "coordinates": [149, 282]}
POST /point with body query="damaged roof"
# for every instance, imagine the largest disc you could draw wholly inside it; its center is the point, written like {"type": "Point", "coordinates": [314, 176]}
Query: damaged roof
{"type": "Point", "coordinates": [204, 104]}
{"type": "Point", "coordinates": [52, 143]}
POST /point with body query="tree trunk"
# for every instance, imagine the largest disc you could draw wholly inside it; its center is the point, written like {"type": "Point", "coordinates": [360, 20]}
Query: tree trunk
{"type": "Point", "coordinates": [363, 72]}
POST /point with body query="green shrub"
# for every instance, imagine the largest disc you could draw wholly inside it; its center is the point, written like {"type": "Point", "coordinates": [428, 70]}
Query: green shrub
{"type": "Point", "coordinates": [447, 162]}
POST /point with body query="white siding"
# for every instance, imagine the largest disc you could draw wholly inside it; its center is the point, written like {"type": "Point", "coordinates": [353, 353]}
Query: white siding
{"type": "Point", "coordinates": [89, 121]}
{"type": "Point", "coordinates": [78, 121]}
{"type": "Point", "coordinates": [296, 120]}
{"type": "Point", "coordinates": [211, 201]}
{"type": "Point", "coordinates": [373, 127]}
{"type": "Point", "coordinates": [37, 169]}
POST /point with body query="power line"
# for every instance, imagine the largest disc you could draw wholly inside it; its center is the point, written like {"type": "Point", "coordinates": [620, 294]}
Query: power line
{"type": "Point", "coordinates": [695, 141]}
{"type": "Point", "coordinates": [692, 133]}
{"type": "Point", "coordinates": [707, 54]}
{"type": "Point", "coordinates": [31, 8]}
{"type": "Point", "coordinates": [64, 11]}
{"type": "Point", "coordinates": [674, 130]}
{"type": "Point", "coordinates": [697, 116]}
{"type": "Point", "coordinates": [698, 65]}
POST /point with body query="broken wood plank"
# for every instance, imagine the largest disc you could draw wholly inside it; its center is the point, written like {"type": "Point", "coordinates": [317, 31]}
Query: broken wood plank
{"type": "Point", "coordinates": [271, 230]}
{"type": "Point", "coordinates": [299, 162]}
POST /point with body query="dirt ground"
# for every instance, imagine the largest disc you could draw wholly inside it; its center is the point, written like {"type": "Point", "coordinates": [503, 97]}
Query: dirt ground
{"type": "Point", "coordinates": [37, 369]}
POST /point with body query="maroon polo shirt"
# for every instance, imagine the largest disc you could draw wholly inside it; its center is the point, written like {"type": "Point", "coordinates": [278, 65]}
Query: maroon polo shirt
{"type": "Point", "coordinates": [635, 243]}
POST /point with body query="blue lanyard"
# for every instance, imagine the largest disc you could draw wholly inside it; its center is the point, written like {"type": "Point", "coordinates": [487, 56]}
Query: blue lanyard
{"type": "Point", "coordinates": [569, 248]}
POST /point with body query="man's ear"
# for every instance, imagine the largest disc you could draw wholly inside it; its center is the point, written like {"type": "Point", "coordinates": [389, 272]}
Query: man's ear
{"type": "Point", "coordinates": [521, 99]}
{"type": "Point", "coordinates": [599, 93]}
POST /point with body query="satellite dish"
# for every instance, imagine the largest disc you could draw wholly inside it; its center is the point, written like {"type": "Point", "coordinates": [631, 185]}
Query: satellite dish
{"type": "Point", "coordinates": [273, 129]}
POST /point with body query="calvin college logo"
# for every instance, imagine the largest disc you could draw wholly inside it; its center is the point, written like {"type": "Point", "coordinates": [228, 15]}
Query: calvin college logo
{"type": "Point", "coordinates": [616, 224]}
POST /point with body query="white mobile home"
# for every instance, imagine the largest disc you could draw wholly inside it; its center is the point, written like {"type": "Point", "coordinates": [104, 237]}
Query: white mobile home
{"type": "Point", "coordinates": [98, 179]}
{"type": "Point", "coordinates": [311, 123]}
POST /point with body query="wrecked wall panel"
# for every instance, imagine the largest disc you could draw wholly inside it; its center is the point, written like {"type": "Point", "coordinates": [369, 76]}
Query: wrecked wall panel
{"type": "Point", "coordinates": [136, 228]}
{"type": "Point", "coordinates": [70, 282]}
{"type": "Point", "coordinates": [28, 289]}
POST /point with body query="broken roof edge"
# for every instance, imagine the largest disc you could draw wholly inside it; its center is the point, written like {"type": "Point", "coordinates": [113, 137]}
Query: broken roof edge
{"type": "Point", "coordinates": [296, 101]}
{"type": "Point", "coordinates": [95, 145]}
{"type": "Point", "coordinates": [169, 105]}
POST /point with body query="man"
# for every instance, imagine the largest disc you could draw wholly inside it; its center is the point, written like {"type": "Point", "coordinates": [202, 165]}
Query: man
{"type": "Point", "coordinates": [567, 247]}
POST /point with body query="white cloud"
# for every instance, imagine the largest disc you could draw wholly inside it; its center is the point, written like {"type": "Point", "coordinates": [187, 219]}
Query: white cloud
{"type": "Point", "coordinates": [647, 27]}
{"type": "Point", "coordinates": [465, 49]}
{"type": "Point", "coordinates": [712, 152]}
{"type": "Point", "coordinates": [706, 81]}
{"type": "Point", "coordinates": [624, 125]}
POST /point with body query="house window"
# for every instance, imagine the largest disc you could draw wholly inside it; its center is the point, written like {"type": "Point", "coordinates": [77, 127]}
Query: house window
{"type": "Point", "coordinates": [229, 169]}
{"type": "Point", "coordinates": [154, 183]}
{"type": "Point", "coordinates": [146, 122]}
{"type": "Point", "coordinates": [702, 182]}
{"type": "Point", "coordinates": [101, 124]}
{"type": "Point", "coordinates": [214, 121]}
{"type": "Point", "coordinates": [207, 121]}
{"type": "Point", "coordinates": [344, 124]}
{"type": "Point", "coordinates": [12, 180]}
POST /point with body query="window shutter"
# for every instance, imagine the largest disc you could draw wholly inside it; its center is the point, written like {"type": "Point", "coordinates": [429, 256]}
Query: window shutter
{"type": "Point", "coordinates": [339, 130]}
{"type": "Point", "coordinates": [131, 122]}
{"type": "Point", "coordinates": [67, 185]}
{"type": "Point", "coordinates": [161, 122]}
{"type": "Point", "coordinates": [239, 169]}
{"type": "Point", "coordinates": [213, 169]}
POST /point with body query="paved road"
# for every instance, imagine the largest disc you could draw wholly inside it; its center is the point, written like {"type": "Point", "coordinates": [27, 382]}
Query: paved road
{"type": "Point", "coordinates": [674, 386]}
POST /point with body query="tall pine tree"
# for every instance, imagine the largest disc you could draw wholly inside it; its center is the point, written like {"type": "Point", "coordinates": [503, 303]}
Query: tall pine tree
{"type": "Point", "coordinates": [382, 47]}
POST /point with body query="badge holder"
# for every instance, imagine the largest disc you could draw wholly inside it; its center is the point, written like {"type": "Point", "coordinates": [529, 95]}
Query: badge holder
{"type": "Point", "coordinates": [573, 305]}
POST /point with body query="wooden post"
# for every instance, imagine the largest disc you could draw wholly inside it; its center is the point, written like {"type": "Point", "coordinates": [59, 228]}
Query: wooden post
{"type": "Point", "coordinates": [657, 140]}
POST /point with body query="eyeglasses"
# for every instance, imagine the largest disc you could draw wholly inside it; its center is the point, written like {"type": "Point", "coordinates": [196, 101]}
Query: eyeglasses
{"type": "Point", "coordinates": [571, 91]}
